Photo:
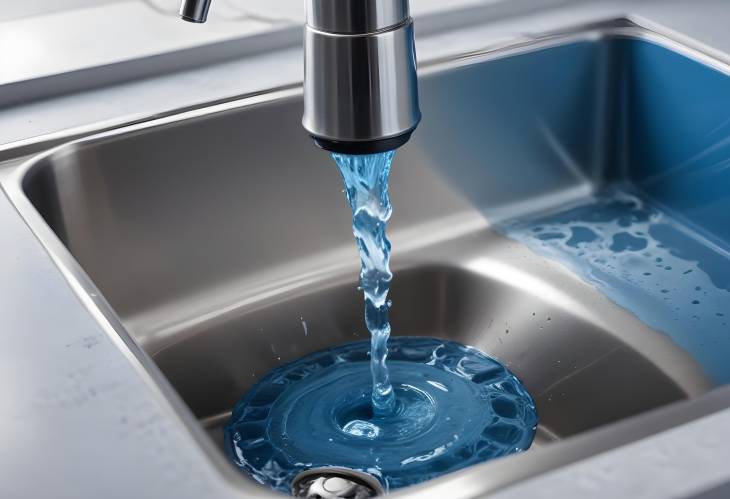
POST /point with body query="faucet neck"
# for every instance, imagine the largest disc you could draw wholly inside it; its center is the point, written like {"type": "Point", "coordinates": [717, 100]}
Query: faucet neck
{"type": "Point", "coordinates": [356, 16]}
{"type": "Point", "coordinates": [360, 86]}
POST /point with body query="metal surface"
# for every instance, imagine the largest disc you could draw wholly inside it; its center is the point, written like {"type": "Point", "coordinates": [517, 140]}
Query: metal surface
{"type": "Point", "coordinates": [195, 11]}
{"type": "Point", "coordinates": [189, 250]}
{"type": "Point", "coordinates": [335, 483]}
{"type": "Point", "coordinates": [360, 85]}
{"type": "Point", "coordinates": [355, 16]}
{"type": "Point", "coordinates": [360, 89]}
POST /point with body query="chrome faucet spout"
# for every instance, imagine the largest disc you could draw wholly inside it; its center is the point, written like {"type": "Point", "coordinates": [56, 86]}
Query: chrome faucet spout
{"type": "Point", "coordinates": [360, 85]}
{"type": "Point", "coordinates": [195, 11]}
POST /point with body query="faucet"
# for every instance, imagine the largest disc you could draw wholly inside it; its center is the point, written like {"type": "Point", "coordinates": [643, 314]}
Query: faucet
{"type": "Point", "coordinates": [360, 86]}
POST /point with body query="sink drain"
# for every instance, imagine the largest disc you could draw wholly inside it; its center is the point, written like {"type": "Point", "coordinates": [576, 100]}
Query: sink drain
{"type": "Point", "coordinates": [335, 483]}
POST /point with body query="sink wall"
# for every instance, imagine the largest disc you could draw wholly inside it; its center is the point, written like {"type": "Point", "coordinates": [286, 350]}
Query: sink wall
{"type": "Point", "coordinates": [135, 210]}
{"type": "Point", "coordinates": [678, 141]}
{"type": "Point", "coordinates": [563, 120]}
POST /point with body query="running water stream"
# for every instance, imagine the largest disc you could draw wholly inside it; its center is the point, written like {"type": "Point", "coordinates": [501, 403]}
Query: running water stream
{"type": "Point", "coordinates": [366, 188]}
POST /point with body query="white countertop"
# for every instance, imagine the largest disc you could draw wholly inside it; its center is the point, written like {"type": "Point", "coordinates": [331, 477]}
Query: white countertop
{"type": "Point", "coordinates": [79, 418]}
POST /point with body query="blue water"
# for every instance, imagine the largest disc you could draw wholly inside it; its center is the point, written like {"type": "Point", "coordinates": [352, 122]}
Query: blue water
{"type": "Point", "coordinates": [454, 407]}
{"type": "Point", "coordinates": [647, 261]}
{"type": "Point", "coordinates": [435, 407]}
{"type": "Point", "coordinates": [366, 187]}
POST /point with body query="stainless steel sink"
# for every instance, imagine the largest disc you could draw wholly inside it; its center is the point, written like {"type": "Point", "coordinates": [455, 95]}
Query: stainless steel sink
{"type": "Point", "coordinates": [217, 243]}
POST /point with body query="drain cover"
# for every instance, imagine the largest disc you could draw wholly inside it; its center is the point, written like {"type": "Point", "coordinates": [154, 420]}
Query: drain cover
{"type": "Point", "coordinates": [335, 483]}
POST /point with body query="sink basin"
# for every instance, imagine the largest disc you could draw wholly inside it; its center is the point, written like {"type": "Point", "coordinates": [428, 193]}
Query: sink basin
{"type": "Point", "coordinates": [217, 243]}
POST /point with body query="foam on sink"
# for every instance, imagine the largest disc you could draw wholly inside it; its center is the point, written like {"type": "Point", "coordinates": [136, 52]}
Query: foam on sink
{"type": "Point", "coordinates": [648, 263]}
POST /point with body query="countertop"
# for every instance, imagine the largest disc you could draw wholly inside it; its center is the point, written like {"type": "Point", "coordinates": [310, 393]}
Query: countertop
{"type": "Point", "coordinates": [80, 418]}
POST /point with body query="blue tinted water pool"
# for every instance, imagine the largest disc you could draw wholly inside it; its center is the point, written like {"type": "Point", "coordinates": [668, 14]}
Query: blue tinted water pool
{"type": "Point", "coordinates": [454, 407]}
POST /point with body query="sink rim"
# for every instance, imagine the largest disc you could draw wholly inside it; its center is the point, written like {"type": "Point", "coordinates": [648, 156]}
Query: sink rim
{"type": "Point", "coordinates": [101, 310]}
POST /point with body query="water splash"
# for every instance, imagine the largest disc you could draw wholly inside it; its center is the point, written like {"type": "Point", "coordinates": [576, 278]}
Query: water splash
{"type": "Point", "coordinates": [366, 188]}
